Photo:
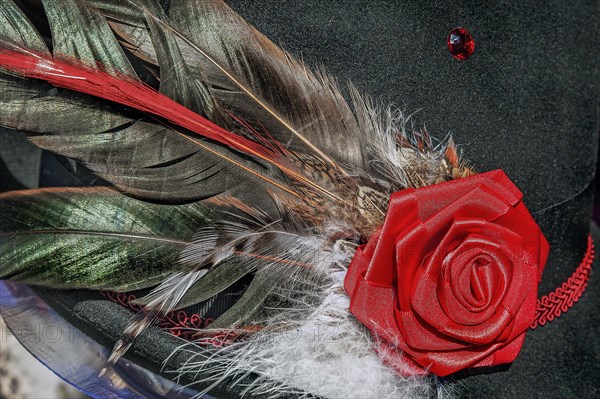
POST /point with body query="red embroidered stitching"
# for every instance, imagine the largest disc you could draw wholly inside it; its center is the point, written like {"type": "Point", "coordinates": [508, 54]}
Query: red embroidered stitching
{"type": "Point", "coordinates": [564, 297]}
{"type": "Point", "coordinates": [177, 323]}
{"type": "Point", "coordinates": [549, 307]}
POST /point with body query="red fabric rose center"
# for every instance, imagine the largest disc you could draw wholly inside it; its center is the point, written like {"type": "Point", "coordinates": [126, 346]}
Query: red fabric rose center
{"type": "Point", "coordinates": [482, 281]}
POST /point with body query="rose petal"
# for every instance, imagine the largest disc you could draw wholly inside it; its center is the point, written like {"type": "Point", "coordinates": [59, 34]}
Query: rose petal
{"type": "Point", "coordinates": [398, 360]}
{"type": "Point", "coordinates": [525, 314]}
{"type": "Point", "coordinates": [359, 265]}
{"type": "Point", "coordinates": [401, 216]}
{"type": "Point", "coordinates": [534, 242]}
{"type": "Point", "coordinates": [415, 334]}
{"type": "Point", "coordinates": [418, 239]}
{"type": "Point", "coordinates": [455, 292]}
{"type": "Point", "coordinates": [480, 204]}
{"type": "Point", "coordinates": [455, 235]}
{"type": "Point", "coordinates": [448, 362]}
{"type": "Point", "coordinates": [435, 197]}
{"type": "Point", "coordinates": [408, 257]}
{"type": "Point", "coordinates": [483, 333]}
{"type": "Point", "coordinates": [375, 307]}
{"type": "Point", "coordinates": [503, 355]}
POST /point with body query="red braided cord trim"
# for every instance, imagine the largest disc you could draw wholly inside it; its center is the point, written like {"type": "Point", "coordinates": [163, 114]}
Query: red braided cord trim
{"type": "Point", "coordinates": [564, 297]}
{"type": "Point", "coordinates": [548, 308]}
{"type": "Point", "coordinates": [177, 323]}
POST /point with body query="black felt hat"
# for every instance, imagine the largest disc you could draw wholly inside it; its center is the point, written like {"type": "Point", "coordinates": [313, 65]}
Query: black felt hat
{"type": "Point", "coordinates": [526, 101]}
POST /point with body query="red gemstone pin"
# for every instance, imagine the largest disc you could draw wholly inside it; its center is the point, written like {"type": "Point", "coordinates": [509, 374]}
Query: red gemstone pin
{"type": "Point", "coordinates": [461, 43]}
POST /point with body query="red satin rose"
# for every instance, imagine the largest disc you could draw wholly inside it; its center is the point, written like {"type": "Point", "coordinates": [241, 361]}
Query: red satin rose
{"type": "Point", "coordinates": [450, 280]}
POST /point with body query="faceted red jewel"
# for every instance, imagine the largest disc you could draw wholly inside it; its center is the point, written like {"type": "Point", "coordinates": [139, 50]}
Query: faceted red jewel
{"type": "Point", "coordinates": [461, 43]}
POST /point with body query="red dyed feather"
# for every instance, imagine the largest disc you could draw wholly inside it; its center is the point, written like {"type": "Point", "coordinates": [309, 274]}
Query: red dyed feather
{"type": "Point", "coordinates": [126, 91]}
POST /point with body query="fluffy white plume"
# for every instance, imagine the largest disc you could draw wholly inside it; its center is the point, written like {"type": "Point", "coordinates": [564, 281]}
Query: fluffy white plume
{"type": "Point", "coordinates": [322, 350]}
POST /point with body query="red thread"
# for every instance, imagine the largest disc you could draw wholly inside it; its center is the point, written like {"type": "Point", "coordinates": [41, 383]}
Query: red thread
{"type": "Point", "coordinates": [177, 322]}
{"type": "Point", "coordinates": [551, 306]}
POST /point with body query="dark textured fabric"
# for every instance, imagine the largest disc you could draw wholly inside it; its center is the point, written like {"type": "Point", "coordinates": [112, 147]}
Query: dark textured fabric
{"type": "Point", "coordinates": [526, 102]}
{"type": "Point", "coordinates": [19, 161]}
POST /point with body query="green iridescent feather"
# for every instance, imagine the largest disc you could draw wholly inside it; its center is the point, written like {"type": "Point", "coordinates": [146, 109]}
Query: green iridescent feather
{"type": "Point", "coordinates": [94, 238]}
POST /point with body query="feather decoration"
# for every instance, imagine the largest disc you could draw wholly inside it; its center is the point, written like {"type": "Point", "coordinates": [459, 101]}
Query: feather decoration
{"type": "Point", "coordinates": [113, 238]}
{"type": "Point", "coordinates": [252, 78]}
{"type": "Point", "coordinates": [223, 153]}
{"type": "Point", "coordinates": [163, 163]}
